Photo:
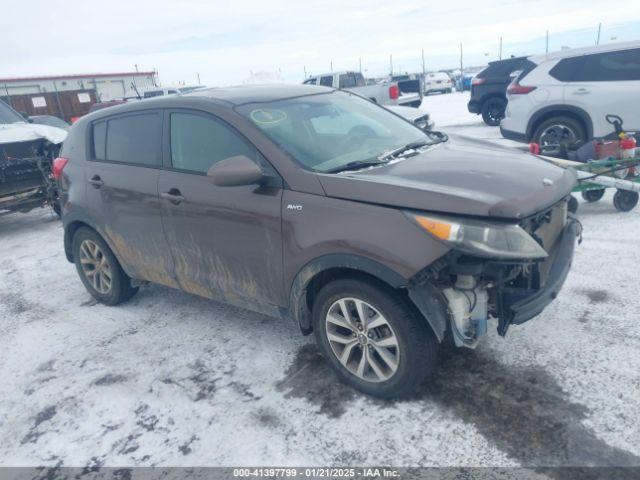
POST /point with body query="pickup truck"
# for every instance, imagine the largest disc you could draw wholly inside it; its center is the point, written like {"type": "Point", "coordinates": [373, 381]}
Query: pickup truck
{"type": "Point", "coordinates": [387, 92]}
{"type": "Point", "coordinates": [27, 151]}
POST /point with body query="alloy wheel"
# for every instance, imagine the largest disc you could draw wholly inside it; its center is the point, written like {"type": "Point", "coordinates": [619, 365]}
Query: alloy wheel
{"type": "Point", "coordinates": [95, 266]}
{"type": "Point", "coordinates": [558, 134]}
{"type": "Point", "coordinates": [362, 340]}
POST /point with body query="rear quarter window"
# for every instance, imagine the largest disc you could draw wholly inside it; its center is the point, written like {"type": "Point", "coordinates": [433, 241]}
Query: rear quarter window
{"type": "Point", "coordinates": [99, 136]}
{"type": "Point", "coordinates": [133, 139]}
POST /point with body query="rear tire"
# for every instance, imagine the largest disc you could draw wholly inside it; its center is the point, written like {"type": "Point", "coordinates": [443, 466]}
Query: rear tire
{"type": "Point", "coordinates": [593, 195]}
{"type": "Point", "coordinates": [556, 133]}
{"type": "Point", "coordinates": [99, 269]}
{"type": "Point", "coordinates": [625, 201]}
{"type": "Point", "coordinates": [572, 206]}
{"type": "Point", "coordinates": [387, 350]}
{"type": "Point", "coordinates": [493, 111]}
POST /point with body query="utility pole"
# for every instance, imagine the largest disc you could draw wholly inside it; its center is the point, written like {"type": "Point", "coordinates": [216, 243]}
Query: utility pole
{"type": "Point", "coordinates": [547, 47]}
{"type": "Point", "coordinates": [136, 65]}
{"type": "Point", "coordinates": [391, 63]}
{"type": "Point", "coordinates": [360, 65]}
{"type": "Point", "coordinates": [500, 55]}
{"type": "Point", "coordinates": [599, 30]}
{"type": "Point", "coordinates": [461, 67]}
{"type": "Point", "coordinates": [331, 66]}
{"type": "Point", "coordinates": [198, 75]}
{"type": "Point", "coordinates": [423, 69]}
{"type": "Point", "coordinates": [304, 67]}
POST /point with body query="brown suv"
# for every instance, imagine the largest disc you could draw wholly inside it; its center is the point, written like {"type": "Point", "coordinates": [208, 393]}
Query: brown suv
{"type": "Point", "coordinates": [319, 206]}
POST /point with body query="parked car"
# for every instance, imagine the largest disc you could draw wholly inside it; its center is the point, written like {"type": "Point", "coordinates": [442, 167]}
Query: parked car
{"type": "Point", "coordinates": [161, 91]}
{"type": "Point", "coordinates": [489, 89]}
{"type": "Point", "coordinates": [563, 98]}
{"type": "Point", "coordinates": [49, 120]}
{"type": "Point", "coordinates": [27, 151]}
{"type": "Point", "coordinates": [419, 118]}
{"type": "Point", "coordinates": [384, 93]}
{"type": "Point", "coordinates": [437, 82]}
{"type": "Point", "coordinates": [317, 205]}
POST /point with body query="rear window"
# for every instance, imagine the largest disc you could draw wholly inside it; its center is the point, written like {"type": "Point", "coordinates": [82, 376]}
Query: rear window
{"type": "Point", "coordinates": [134, 139]}
{"type": "Point", "coordinates": [503, 68]}
{"type": "Point", "coordinates": [623, 65]}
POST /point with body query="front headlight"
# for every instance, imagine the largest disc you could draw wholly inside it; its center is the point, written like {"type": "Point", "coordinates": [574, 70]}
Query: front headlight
{"type": "Point", "coordinates": [483, 239]}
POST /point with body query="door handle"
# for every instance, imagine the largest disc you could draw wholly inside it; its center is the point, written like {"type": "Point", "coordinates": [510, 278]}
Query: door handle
{"type": "Point", "coordinates": [96, 181]}
{"type": "Point", "coordinates": [173, 195]}
{"type": "Point", "coordinates": [581, 91]}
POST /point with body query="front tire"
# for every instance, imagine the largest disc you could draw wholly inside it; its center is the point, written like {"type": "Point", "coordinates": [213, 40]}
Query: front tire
{"type": "Point", "coordinates": [556, 133]}
{"type": "Point", "coordinates": [372, 338]}
{"type": "Point", "coordinates": [99, 269]}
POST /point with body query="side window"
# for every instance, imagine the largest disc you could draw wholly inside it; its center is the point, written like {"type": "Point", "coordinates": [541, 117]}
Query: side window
{"type": "Point", "coordinates": [326, 81]}
{"type": "Point", "coordinates": [135, 139]}
{"type": "Point", "coordinates": [99, 140]}
{"type": "Point", "coordinates": [199, 141]}
{"type": "Point", "coordinates": [611, 66]}
{"type": "Point", "coordinates": [310, 81]}
{"type": "Point", "coordinates": [360, 82]}
{"type": "Point", "coordinates": [347, 80]}
{"type": "Point", "coordinates": [566, 70]}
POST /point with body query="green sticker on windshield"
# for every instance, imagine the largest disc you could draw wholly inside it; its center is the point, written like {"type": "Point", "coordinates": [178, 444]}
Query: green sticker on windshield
{"type": "Point", "coordinates": [268, 116]}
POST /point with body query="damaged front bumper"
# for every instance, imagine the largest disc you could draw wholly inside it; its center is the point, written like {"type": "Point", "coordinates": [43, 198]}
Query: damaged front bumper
{"type": "Point", "coordinates": [517, 305]}
{"type": "Point", "coordinates": [458, 294]}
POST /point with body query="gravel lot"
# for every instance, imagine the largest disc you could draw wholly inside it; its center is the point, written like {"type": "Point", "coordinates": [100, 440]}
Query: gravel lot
{"type": "Point", "coordinates": [171, 379]}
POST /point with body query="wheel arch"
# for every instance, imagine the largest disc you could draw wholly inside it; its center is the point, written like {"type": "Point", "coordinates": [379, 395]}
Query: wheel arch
{"type": "Point", "coordinates": [559, 110]}
{"type": "Point", "coordinates": [320, 271]}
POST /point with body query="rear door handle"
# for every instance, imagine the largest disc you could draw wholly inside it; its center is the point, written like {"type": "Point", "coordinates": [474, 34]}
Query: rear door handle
{"type": "Point", "coordinates": [96, 181]}
{"type": "Point", "coordinates": [173, 195]}
{"type": "Point", "coordinates": [581, 91]}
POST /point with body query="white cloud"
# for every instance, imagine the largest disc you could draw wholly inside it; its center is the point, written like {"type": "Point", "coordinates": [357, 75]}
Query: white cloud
{"type": "Point", "coordinates": [225, 41]}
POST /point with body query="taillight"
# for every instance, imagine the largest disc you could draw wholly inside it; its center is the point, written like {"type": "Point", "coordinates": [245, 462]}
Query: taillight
{"type": "Point", "coordinates": [58, 165]}
{"type": "Point", "coordinates": [394, 92]}
{"type": "Point", "coordinates": [478, 81]}
{"type": "Point", "coordinates": [517, 89]}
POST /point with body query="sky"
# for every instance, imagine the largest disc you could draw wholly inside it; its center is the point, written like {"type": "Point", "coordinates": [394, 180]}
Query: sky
{"type": "Point", "coordinates": [225, 43]}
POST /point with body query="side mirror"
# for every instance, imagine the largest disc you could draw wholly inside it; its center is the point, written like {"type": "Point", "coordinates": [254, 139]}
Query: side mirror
{"type": "Point", "coordinates": [235, 171]}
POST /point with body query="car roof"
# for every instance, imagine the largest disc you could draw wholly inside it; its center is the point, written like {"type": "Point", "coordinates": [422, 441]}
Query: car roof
{"type": "Point", "coordinates": [231, 96]}
{"type": "Point", "coordinates": [575, 52]}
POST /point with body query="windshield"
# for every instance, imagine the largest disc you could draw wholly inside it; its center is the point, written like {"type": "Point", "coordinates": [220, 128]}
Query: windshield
{"type": "Point", "coordinates": [9, 115]}
{"type": "Point", "coordinates": [327, 131]}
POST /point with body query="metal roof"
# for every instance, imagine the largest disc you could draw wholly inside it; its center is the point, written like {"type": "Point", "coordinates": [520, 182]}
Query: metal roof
{"type": "Point", "coordinates": [76, 76]}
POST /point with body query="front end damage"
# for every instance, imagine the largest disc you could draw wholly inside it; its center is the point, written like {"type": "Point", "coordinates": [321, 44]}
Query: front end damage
{"type": "Point", "coordinates": [25, 175]}
{"type": "Point", "coordinates": [472, 290]}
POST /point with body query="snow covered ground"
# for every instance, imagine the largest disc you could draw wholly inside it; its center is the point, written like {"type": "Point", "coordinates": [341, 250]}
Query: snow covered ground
{"type": "Point", "coordinates": [170, 379]}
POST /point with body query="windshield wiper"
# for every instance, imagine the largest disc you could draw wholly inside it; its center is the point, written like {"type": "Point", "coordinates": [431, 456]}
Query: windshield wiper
{"type": "Point", "coordinates": [356, 165]}
{"type": "Point", "coordinates": [404, 148]}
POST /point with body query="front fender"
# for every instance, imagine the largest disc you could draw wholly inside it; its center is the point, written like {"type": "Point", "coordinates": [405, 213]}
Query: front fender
{"type": "Point", "coordinates": [298, 307]}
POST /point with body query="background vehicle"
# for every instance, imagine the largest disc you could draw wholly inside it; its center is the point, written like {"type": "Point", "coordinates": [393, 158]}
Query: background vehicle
{"type": "Point", "coordinates": [26, 153]}
{"type": "Point", "coordinates": [489, 89]}
{"type": "Point", "coordinates": [419, 118]}
{"type": "Point", "coordinates": [563, 98]}
{"type": "Point", "coordinates": [281, 199]}
{"type": "Point", "coordinates": [49, 120]}
{"type": "Point", "coordinates": [437, 82]}
{"type": "Point", "coordinates": [182, 89]}
{"type": "Point", "coordinates": [384, 93]}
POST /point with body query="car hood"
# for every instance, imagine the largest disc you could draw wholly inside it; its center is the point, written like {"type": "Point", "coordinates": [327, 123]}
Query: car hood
{"type": "Point", "coordinates": [25, 132]}
{"type": "Point", "coordinates": [462, 176]}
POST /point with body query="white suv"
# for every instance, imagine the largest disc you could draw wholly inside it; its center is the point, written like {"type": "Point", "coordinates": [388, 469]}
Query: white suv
{"type": "Point", "coordinates": [562, 98]}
